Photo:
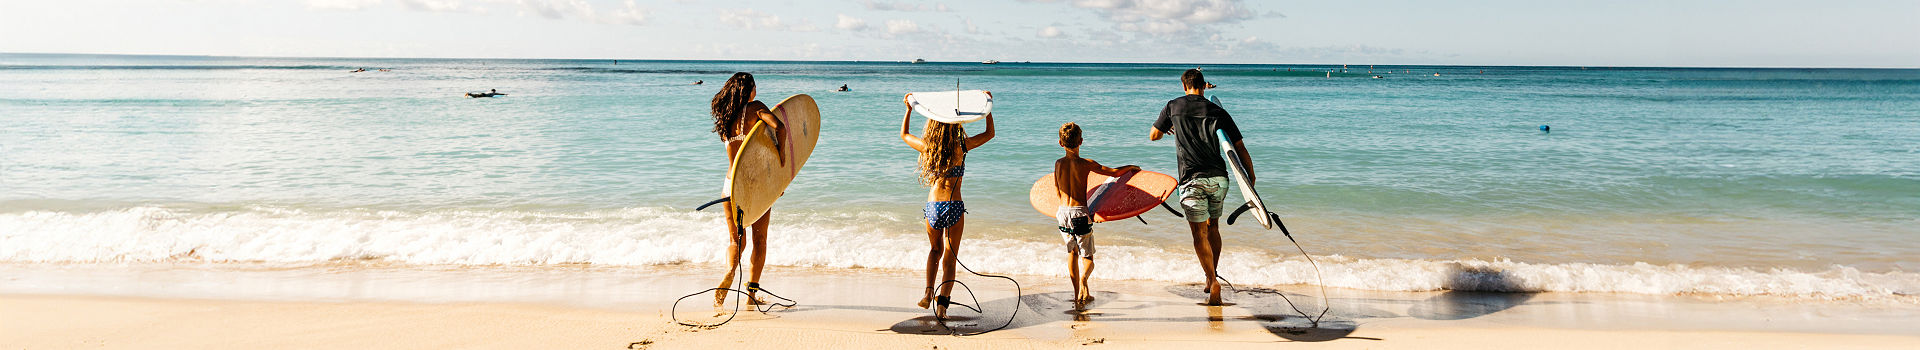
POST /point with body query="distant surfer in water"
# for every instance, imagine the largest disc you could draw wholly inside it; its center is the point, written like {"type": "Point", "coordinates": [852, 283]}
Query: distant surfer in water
{"type": "Point", "coordinates": [698, 82]}
{"type": "Point", "coordinates": [734, 113]}
{"type": "Point", "coordinates": [843, 87]}
{"type": "Point", "coordinates": [489, 93]}
{"type": "Point", "coordinates": [1075, 219]}
{"type": "Point", "coordinates": [943, 158]}
{"type": "Point", "coordinates": [1192, 119]}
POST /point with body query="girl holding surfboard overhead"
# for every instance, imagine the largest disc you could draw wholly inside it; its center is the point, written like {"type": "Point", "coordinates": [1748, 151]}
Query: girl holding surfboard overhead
{"type": "Point", "coordinates": [943, 157]}
{"type": "Point", "coordinates": [734, 114]}
{"type": "Point", "coordinates": [1200, 127]}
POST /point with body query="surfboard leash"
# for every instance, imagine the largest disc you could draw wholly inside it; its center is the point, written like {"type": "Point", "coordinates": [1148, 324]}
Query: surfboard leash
{"type": "Point", "coordinates": [709, 204]}
{"type": "Point", "coordinates": [746, 290]}
{"type": "Point", "coordinates": [1318, 277]}
{"type": "Point", "coordinates": [977, 307]}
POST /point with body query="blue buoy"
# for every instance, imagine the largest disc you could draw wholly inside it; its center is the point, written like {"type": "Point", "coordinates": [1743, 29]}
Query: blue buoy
{"type": "Point", "coordinates": [1545, 128]}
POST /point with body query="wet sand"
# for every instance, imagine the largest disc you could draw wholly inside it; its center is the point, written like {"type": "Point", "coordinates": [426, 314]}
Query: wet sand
{"type": "Point", "coordinates": [370, 306]}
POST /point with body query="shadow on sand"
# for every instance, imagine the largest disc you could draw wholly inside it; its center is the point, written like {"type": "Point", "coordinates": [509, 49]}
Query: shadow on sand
{"type": "Point", "coordinates": [1034, 309]}
{"type": "Point", "coordinates": [1272, 312]}
{"type": "Point", "coordinates": [1473, 292]}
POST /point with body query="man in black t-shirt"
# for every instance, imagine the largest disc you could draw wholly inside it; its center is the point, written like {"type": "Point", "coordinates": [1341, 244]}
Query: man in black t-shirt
{"type": "Point", "coordinates": [1193, 120]}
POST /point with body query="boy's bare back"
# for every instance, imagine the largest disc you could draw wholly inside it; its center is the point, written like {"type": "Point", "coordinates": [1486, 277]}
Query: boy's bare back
{"type": "Point", "coordinates": [1070, 180]}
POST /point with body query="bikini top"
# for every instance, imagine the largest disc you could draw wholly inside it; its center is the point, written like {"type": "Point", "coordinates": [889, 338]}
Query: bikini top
{"type": "Point", "coordinates": [748, 111]}
{"type": "Point", "coordinates": [957, 171]}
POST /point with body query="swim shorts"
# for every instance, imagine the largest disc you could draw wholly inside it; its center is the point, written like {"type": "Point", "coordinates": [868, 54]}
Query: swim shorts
{"type": "Point", "coordinates": [1203, 197]}
{"type": "Point", "coordinates": [1076, 228]}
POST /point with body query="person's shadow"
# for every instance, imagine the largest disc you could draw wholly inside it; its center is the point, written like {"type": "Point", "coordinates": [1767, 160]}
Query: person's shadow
{"type": "Point", "coordinates": [994, 315]}
{"type": "Point", "coordinates": [1272, 310]}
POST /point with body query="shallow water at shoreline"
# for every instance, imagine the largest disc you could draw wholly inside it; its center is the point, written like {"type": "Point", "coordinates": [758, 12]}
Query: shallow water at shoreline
{"type": "Point", "coordinates": [1661, 181]}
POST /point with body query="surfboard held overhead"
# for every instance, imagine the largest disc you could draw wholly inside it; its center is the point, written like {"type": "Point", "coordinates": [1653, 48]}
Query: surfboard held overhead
{"type": "Point", "coordinates": [964, 106]}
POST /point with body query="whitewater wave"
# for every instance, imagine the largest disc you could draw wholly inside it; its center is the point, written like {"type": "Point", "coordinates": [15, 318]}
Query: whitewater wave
{"type": "Point", "coordinates": [655, 236]}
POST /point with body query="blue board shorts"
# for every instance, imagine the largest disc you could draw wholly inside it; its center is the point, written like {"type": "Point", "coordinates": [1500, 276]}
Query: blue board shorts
{"type": "Point", "coordinates": [1202, 198]}
{"type": "Point", "coordinates": [943, 214]}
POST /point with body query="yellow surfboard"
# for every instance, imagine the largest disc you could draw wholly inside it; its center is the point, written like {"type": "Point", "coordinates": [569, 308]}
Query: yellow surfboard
{"type": "Point", "coordinates": [757, 178]}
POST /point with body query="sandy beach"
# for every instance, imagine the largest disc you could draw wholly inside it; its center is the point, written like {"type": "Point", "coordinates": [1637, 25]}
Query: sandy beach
{"type": "Point", "coordinates": [373, 307]}
{"type": "Point", "coordinates": [580, 174]}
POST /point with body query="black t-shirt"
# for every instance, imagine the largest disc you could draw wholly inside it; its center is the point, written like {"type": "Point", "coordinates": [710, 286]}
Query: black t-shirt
{"type": "Point", "coordinates": [1192, 119]}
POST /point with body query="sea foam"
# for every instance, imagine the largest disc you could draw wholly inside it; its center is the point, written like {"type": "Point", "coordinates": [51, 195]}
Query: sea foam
{"type": "Point", "coordinates": [654, 236]}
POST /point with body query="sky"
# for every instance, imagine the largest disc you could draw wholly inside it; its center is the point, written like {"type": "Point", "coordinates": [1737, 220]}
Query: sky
{"type": "Point", "coordinates": [1754, 33]}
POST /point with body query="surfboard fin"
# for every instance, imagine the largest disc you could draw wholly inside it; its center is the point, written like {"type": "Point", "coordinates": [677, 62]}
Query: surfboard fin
{"type": "Point", "coordinates": [1236, 212]}
{"type": "Point", "coordinates": [709, 204]}
{"type": "Point", "coordinates": [1169, 208]}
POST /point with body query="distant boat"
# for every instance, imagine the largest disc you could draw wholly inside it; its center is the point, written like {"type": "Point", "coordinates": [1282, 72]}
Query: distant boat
{"type": "Point", "coordinates": [989, 62]}
{"type": "Point", "coordinates": [919, 61]}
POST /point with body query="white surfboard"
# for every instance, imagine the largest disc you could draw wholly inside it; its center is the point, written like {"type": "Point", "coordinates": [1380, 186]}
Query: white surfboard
{"type": "Point", "coordinates": [952, 106]}
{"type": "Point", "coordinates": [1239, 173]}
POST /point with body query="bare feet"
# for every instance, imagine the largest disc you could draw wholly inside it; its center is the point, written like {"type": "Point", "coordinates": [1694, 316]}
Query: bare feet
{"type": "Point", "coordinates": [1213, 294]}
{"type": "Point", "coordinates": [719, 299]}
{"type": "Point", "coordinates": [755, 300]}
{"type": "Point", "coordinates": [940, 308]}
{"type": "Point", "coordinates": [927, 299]}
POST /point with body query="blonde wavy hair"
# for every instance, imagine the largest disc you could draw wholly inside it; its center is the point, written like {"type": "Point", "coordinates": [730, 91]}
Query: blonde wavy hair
{"type": "Point", "coordinates": [944, 141]}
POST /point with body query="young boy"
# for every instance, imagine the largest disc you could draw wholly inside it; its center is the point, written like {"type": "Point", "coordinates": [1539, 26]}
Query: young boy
{"type": "Point", "coordinates": [1076, 221]}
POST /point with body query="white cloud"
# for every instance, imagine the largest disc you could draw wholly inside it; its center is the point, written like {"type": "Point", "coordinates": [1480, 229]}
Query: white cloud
{"type": "Point", "coordinates": [1049, 32]}
{"type": "Point", "coordinates": [632, 14]}
{"type": "Point", "coordinates": [413, 5]}
{"type": "Point", "coordinates": [1166, 18]}
{"type": "Point", "coordinates": [750, 19]}
{"type": "Point", "coordinates": [432, 5]}
{"type": "Point", "coordinates": [558, 9]}
{"type": "Point", "coordinates": [904, 7]}
{"type": "Point", "coordinates": [1343, 51]}
{"type": "Point", "coordinates": [851, 23]}
{"type": "Point", "coordinates": [347, 5]}
{"type": "Point", "coordinates": [582, 10]}
{"type": "Point", "coordinates": [901, 26]}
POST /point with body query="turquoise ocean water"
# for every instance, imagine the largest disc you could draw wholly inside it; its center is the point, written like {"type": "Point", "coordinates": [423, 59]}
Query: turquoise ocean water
{"type": "Point", "coordinates": [1800, 182]}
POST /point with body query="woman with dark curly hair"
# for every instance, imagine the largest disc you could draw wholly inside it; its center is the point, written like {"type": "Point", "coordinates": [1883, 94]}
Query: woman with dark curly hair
{"type": "Point", "coordinates": [734, 113]}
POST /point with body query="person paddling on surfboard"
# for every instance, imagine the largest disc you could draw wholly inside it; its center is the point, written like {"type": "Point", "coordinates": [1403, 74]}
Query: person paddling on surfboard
{"type": "Point", "coordinates": [734, 113]}
{"type": "Point", "coordinates": [1075, 219]}
{"type": "Point", "coordinates": [1203, 174]}
{"type": "Point", "coordinates": [943, 157]}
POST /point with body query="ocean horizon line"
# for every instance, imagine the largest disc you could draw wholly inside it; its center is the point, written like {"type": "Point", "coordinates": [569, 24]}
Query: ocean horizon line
{"type": "Point", "coordinates": [771, 61]}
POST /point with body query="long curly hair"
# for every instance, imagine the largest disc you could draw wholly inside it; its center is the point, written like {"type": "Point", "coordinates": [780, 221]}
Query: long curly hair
{"type": "Point", "coordinates": [944, 142]}
{"type": "Point", "coordinates": [728, 103]}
